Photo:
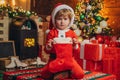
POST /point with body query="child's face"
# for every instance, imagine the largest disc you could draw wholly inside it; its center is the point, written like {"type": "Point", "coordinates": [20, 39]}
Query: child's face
{"type": "Point", "coordinates": [62, 22]}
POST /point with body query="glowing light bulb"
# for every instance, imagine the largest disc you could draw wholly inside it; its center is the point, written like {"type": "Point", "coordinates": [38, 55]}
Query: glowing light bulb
{"type": "Point", "coordinates": [2, 2]}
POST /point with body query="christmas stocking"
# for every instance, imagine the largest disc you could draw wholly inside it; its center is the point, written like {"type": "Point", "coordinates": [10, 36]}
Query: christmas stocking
{"type": "Point", "coordinates": [64, 57]}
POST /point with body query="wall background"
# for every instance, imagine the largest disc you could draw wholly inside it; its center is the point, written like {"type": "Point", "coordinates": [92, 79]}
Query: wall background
{"type": "Point", "coordinates": [112, 10]}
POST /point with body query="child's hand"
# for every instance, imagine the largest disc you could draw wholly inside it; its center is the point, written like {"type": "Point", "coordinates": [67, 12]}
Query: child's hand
{"type": "Point", "coordinates": [50, 42]}
{"type": "Point", "coordinates": [75, 41]}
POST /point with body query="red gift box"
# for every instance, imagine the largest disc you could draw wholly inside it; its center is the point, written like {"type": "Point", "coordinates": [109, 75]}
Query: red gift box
{"type": "Point", "coordinates": [110, 66]}
{"type": "Point", "coordinates": [110, 52]}
{"type": "Point", "coordinates": [111, 61]}
{"type": "Point", "coordinates": [93, 52]}
{"type": "Point", "coordinates": [90, 65]}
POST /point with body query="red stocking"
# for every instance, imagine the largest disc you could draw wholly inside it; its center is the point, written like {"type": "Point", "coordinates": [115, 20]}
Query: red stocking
{"type": "Point", "coordinates": [63, 59]}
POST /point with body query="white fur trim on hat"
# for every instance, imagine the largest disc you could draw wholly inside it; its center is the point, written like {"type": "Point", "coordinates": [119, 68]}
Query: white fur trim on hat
{"type": "Point", "coordinates": [63, 6]}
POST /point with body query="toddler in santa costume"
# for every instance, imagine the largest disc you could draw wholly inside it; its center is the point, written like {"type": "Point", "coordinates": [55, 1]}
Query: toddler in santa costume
{"type": "Point", "coordinates": [62, 43]}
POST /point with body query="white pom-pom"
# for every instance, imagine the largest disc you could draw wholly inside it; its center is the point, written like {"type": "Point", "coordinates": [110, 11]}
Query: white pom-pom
{"type": "Point", "coordinates": [103, 24]}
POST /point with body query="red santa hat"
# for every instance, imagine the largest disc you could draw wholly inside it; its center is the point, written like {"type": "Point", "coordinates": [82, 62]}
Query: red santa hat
{"type": "Point", "coordinates": [58, 7]}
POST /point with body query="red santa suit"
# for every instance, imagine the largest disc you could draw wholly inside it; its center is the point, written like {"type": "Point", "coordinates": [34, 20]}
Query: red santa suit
{"type": "Point", "coordinates": [63, 49]}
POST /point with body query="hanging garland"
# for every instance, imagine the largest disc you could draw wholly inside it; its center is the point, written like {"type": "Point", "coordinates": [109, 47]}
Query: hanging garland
{"type": "Point", "coordinates": [13, 12]}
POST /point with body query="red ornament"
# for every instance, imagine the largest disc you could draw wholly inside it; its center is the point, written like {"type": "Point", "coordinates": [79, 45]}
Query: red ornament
{"type": "Point", "coordinates": [100, 40]}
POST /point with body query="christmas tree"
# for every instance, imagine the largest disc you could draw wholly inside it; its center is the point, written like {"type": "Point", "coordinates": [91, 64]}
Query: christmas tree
{"type": "Point", "coordinates": [88, 20]}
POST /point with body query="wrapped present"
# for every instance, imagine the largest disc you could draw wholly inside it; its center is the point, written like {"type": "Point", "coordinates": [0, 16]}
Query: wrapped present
{"type": "Point", "coordinates": [12, 75]}
{"type": "Point", "coordinates": [98, 76]}
{"type": "Point", "coordinates": [88, 76]}
{"type": "Point", "coordinates": [110, 65]}
{"type": "Point", "coordinates": [111, 61]}
{"type": "Point", "coordinates": [29, 76]}
{"type": "Point", "coordinates": [118, 76]}
{"type": "Point", "coordinates": [93, 52]}
{"type": "Point", "coordinates": [34, 74]}
{"type": "Point", "coordinates": [118, 55]}
{"type": "Point", "coordinates": [62, 75]}
{"type": "Point", "coordinates": [111, 52]}
{"type": "Point", "coordinates": [90, 65]}
{"type": "Point", "coordinates": [65, 76]}
{"type": "Point", "coordinates": [93, 76]}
